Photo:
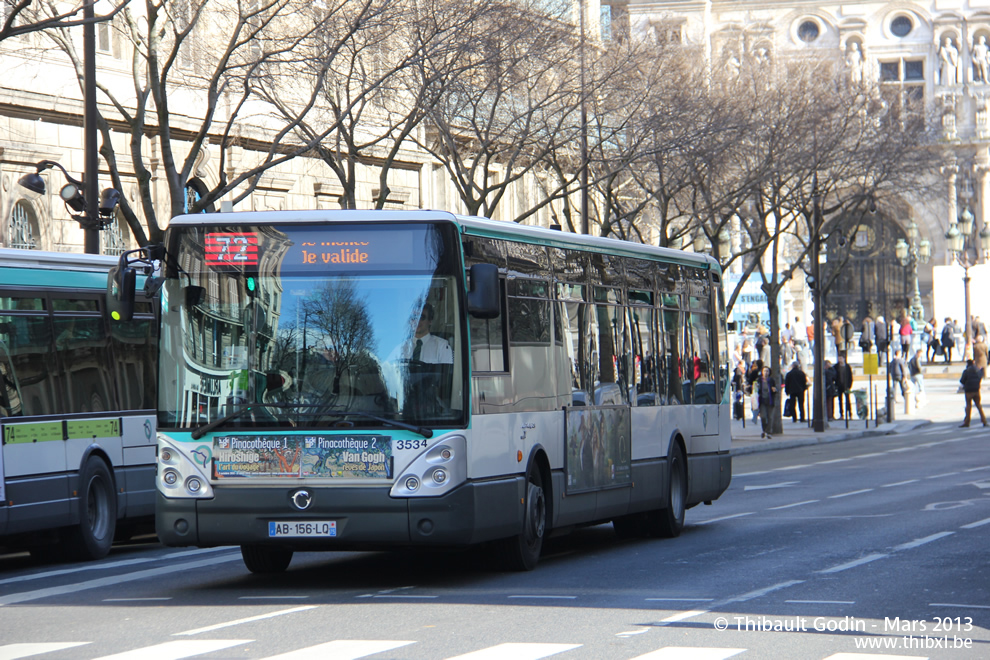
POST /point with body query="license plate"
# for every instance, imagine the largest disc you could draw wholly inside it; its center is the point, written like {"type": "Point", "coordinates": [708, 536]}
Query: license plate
{"type": "Point", "coordinates": [302, 528]}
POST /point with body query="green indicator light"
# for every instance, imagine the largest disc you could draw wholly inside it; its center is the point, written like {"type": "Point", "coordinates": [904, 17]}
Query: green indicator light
{"type": "Point", "coordinates": [115, 315]}
{"type": "Point", "coordinates": [250, 284]}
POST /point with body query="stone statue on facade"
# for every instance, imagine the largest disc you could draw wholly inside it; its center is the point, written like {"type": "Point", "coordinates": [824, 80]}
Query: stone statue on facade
{"type": "Point", "coordinates": [981, 60]}
{"type": "Point", "coordinates": [854, 60]}
{"type": "Point", "coordinates": [949, 57]}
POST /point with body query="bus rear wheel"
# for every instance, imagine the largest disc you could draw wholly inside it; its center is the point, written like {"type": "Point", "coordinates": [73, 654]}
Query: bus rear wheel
{"type": "Point", "coordinates": [265, 559]}
{"type": "Point", "coordinates": [522, 552]}
{"type": "Point", "coordinates": [670, 521]}
{"type": "Point", "coordinates": [93, 536]}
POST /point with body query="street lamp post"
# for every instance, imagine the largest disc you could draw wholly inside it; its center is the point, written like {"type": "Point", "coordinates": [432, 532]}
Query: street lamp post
{"type": "Point", "coordinates": [818, 407]}
{"type": "Point", "coordinates": [912, 253]}
{"type": "Point", "coordinates": [958, 241]}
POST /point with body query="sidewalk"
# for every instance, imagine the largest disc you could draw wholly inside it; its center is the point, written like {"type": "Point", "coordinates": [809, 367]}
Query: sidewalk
{"type": "Point", "coordinates": [942, 405]}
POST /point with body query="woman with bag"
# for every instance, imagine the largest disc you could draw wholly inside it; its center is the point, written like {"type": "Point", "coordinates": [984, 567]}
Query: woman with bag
{"type": "Point", "coordinates": [752, 377]}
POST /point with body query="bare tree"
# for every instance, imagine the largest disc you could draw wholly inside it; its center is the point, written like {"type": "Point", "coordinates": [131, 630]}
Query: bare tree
{"type": "Point", "coordinates": [216, 63]}
{"type": "Point", "coordinates": [18, 17]}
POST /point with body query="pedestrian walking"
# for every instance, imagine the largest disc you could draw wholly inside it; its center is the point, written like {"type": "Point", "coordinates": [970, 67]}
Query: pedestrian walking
{"type": "Point", "coordinates": [906, 331]}
{"type": "Point", "coordinates": [917, 375]}
{"type": "Point", "coordinates": [980, 352]}
{"type": "Point", "coordinates": [843, 386]}
{"type": "Point", "coordinates": [795, 385]}
{"type": "Point", "coordinates": [866, 335]}
{"type": "Point", "coordinates": [971, 380]}
{"type": "Point", "coordinates": [752, 378]}
{"type": "Point", "coordinates": [767, 397]}
{"type": "Point", "coordinates": [948, 339]}
{"type": "Point", "coordinates": [934, 347]}
{"type": "Point", "coordinates": [880, 334]}
{"type": "Point", "coordinates": [898, 372]}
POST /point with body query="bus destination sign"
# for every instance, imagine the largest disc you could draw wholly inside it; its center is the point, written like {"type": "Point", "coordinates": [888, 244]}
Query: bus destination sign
{"type": "Point", "coordinates": [293, 456]}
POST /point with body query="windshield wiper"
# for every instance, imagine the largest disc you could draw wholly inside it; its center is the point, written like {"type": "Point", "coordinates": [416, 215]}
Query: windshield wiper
{"type": "Point", "coordinates": [220, 421]}
{"type": "Point", "coordinates": [209, 426]}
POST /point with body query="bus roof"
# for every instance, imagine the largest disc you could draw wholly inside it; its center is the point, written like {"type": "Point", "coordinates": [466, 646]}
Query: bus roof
{"type": "Point", "coordinates": [471, 225]}
{"type": "Point", "coordinates": [14, 258]}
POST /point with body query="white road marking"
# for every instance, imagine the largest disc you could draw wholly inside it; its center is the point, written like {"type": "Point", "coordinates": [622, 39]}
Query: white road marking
{"type": "Point", "coordinates": [112, 564]}
{"type": "Point", "coordinates": [116, 579]}
{"type": "Point", "coordinates": [900, 483]}
{"type": "Point", "coordinates": [249, 619]}
{"type": "Point", "coordinates": [630, 633]}
{"type": "Point", "coordinates": [789, 506]}
{"type": "Point", "coordinates": [853, 564]}
{"type": "Point", "coordinates": [869, 455]}
{"type": "Point", "coordinates": [783, 484]}
{"type": "Point", "coordinates": [516, 652]}
{"type": "Point", "coordinates": [545, 597]}
{"type": "Point", "coordinates": [977, 469]}
{"type": "Point", "coordinates": [855, 492]}
{"type": "Point", "coordinates": [978, 523]}
{"type": "Point", "coordinates": [272, 597]}
{"type": "Point", "coordinates": [834, 460]}
{"type": "Point", "coordinates": [759, 592]}
{"type": "Point", "coordinates": [184, 648]}
{"type": "Point", "coordinates": [715, 520]}
{"type": "Point", "coordinates": [919, 542]}
{"type": "Point", "coordinates": [939, 476]}
{"type": "Point", "coordinates": [15, 651]}
{"type": "Point", "coordinates": [139, 600]}
{"type": "Point", "coordinates": [683, 600]}
{"type": "Point", "coordinates": [968, 607]}
{"type": "Point", "coordinates": [689, 653]}
{"type": "Point", "coordinates": [342, 649]}
{"type": "Point", "coordinates": [682, 616]}
{"type": "Point", "coordinates": [822, 602]}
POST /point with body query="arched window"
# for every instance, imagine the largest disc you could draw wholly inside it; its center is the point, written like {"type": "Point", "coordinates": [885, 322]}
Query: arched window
{"type": "Point", "coordinates": [22, 227]}
{"type": "Point", "coordinates": [194, 192]}
{"type": "Point", "coordinates": [112, 241]}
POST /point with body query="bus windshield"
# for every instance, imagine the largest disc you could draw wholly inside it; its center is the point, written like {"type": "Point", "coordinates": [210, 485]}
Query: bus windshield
{"type": "Point", "coordinates": [313, 326]}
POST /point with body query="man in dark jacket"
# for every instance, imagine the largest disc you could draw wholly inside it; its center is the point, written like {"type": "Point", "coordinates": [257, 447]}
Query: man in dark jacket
{"type": "Point", "coordinates": [795, 384]}
{"type": "Point", "coordinates": [972, 378]}
{"type": "Point", "coordinates": [843, 386]}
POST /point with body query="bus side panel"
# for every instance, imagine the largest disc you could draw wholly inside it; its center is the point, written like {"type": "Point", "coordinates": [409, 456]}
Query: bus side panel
{"type": "Point", "coordinates": [37, 502]}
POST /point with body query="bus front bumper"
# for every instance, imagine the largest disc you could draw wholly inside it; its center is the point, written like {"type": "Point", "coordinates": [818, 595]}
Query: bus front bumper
{"type": "Point", "coordinates": [364, 517]}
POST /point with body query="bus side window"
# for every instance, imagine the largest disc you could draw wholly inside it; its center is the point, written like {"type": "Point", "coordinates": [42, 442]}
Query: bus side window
{"type": "Point", "coordinates": [28, 340]}
{"type": "Point", "coordinates": [10, 393]}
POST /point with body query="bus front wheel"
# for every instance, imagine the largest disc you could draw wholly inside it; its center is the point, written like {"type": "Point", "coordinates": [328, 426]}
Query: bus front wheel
{"type": "Point", "coordinates": [265, 559]}
{"type": "Point", "coordinates": [93, 536]}
{"type": "Point", "coordinates": [522, 552]}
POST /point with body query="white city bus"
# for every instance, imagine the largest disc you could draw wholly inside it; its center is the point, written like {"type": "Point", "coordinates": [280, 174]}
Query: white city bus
{"type": "Point", "coordinates": [561, 380]}
{"type": "Point", "coordinates": [77, 402]}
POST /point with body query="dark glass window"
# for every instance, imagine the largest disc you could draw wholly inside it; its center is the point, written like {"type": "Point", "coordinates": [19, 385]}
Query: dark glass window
{"type": "Point", "coordinates": [914, 70]}
{"type": "Point", "coordinates": [901, 26]}
{"type": "Point", "coordinates": [135, 358]}
{"type": "Point", "coordinates": [28, 342]}
{"type": "Point", "coordinates": [808, 31]}
{"type": "Point", "coordinates": [890, 71]}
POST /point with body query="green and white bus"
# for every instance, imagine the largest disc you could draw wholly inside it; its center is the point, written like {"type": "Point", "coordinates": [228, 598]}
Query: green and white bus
{"type": "Point", "coordinates": [380, 379]}
{"type": "Point", "coordinates": [77, 417]}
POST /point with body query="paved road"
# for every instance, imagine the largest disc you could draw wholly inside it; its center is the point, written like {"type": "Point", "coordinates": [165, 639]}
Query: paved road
{"type": "Point", "coordinates": [875, 546]}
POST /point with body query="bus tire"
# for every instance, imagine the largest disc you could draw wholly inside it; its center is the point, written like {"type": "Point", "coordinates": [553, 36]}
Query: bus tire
{"type": "Point", "coordinates": [522, 552]}
{"type": "Point", "coordinates": [265, 559]}
{"type": "Point", "coordinates": [670, 521]}
{"type": "Point", "coordinates": [93, 536]}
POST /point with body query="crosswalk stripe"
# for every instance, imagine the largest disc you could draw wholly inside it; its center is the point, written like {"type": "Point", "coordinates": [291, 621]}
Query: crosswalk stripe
{"type": "Point", "coordinates": [689, 653]}
{"type": "Point", "coordinates": [15, 651]}
{"type": "Point", "coordinates": [516, 652]}
{"type": "Point", "coordinates": [185, 648]}
{"type": "Point", "coordinates": [342, 649]}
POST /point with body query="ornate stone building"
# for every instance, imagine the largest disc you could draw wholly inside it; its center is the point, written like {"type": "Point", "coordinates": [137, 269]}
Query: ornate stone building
{"type": "Point", "coordinates": [930, 53]}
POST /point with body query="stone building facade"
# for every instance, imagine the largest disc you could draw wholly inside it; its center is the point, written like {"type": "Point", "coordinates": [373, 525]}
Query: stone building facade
{"type": "Point", "coordinates": [933, 53]}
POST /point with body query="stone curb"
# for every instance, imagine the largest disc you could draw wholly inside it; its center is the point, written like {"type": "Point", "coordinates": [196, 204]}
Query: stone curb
{"type": "Point", "coordinates": [883, 429]}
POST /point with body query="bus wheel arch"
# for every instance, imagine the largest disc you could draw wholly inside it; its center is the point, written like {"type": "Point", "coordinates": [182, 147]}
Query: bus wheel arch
{"type": "Point", "coordinates": [522, 551]}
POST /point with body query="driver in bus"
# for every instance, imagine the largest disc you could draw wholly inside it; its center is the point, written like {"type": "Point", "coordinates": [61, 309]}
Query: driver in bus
{"type": "Point", "coordinates": [424, 347]}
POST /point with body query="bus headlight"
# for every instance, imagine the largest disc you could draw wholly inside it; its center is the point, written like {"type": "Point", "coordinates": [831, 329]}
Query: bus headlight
{"type": "Point", "coordinates": [436, 471]}
{"type": "Point", "coordinates": [179, 474]}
